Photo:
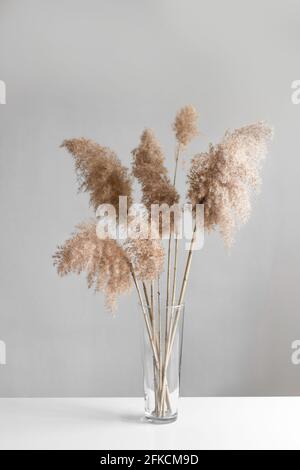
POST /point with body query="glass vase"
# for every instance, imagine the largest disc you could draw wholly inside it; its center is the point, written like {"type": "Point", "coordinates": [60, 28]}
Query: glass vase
{"type": "Point", "coordinates": [162, 351]}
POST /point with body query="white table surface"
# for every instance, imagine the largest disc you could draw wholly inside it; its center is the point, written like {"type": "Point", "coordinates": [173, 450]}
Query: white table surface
{"type": "Point", "coordinates": [116, 423]}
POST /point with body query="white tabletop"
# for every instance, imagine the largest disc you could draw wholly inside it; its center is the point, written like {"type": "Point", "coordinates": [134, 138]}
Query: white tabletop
{"type": "Point", "coordinates": [116, 423]}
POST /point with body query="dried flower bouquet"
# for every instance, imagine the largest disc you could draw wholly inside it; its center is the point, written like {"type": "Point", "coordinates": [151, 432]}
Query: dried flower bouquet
{"type": "Point", "coordinates": [221, 179]}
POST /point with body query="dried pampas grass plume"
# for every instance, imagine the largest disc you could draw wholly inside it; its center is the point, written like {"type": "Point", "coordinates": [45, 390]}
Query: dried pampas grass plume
{"type": "Point", "coordinates": [222, 178]}
{"type": "Point", "coordinates": [148, 167]}
{"type": "Point", "coordinates": [100, 172]}
{"type": "Point", "coordinates": [147, 258]}
{"type": "Point", "coordinates": [146, 255]}
{"type": "Point", "coordinates": [186, 125]}
{"type": "Point", "coordinates": [104, 261]}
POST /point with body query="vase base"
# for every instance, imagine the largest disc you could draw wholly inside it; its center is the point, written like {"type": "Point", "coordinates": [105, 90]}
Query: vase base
{"type": "Point", "coordinates": [150, 418]}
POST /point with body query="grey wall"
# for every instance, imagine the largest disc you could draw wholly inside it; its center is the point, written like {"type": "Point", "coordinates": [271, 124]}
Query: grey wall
{"type": "Point", "coordinates": [106, 69]}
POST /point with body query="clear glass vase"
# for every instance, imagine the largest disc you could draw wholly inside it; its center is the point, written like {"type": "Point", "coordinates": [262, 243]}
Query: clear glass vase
{"type": "Point", "coordinates": [162, 351]}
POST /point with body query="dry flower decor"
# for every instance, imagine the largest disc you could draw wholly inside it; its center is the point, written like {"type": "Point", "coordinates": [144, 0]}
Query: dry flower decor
{"type": "Point", "coordinates": [222, 179]}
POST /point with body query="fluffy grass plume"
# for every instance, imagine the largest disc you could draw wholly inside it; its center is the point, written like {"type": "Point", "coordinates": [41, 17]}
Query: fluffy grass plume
{"type": "Point", "coordinates": [222, 178]}
{"type": "Point", "coordinates": [104, 261]}
{"type": "Point", "coordinates": [146, 255]}
{"type": "Point", "coordinates": [186, 125]}
{"type": "Point", "coordinates": [149, 169]}
{"type": "Point", "coordinates": [99, 172]}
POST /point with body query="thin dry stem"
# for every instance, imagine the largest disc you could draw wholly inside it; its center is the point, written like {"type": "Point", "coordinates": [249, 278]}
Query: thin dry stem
{"type": "Point", "coordinates": [175, 272]}
{"type": "Point", "coordinates": [176, 163]}
{"type": "Point", "coordinates": [172, 334]}
{"type": "Point", "coordinates": [104, 261]}
{"type": "Point", "coordinates": [159, 314]}
{"type": "Point", "coordinates": [149, 331]}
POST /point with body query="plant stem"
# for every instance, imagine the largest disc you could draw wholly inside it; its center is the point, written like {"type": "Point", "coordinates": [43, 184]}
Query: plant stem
{"type": "Point", "coordinates": [159, 316]}
{"type": "Point", "coordinates": [175, 272]}
{"type": "Point", "coordinates": [146, 293]}
{"type": "Point", "coordinates": [152, 306]}
{"type": "Point", "coordinates": [167, 322]}
{"type": "Point", "coordinates": [147, 300]}
{"type": "Point", "coordinates": [157, 368]}
{"type": "Point", "coordinates": [175, 323]}
{"type": "Point", "coordinates": [182, 292]}
{"type": "Point", "coordinates": [168, 289]}
{"type": "Point", "coordinates": [176, 162]}
{"type": "Point", "coordinates": [178, 149]}
{"type": "Point", "coordinates": [150, 334]}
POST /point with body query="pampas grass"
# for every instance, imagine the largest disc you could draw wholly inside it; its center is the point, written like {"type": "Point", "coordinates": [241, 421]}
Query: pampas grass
{"type": "Point", "coordinates": [222, 178]}
{"type": "Point", "coordinates": [105, 263]}
{"type": "Point", "coordinates": [149, 169]}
